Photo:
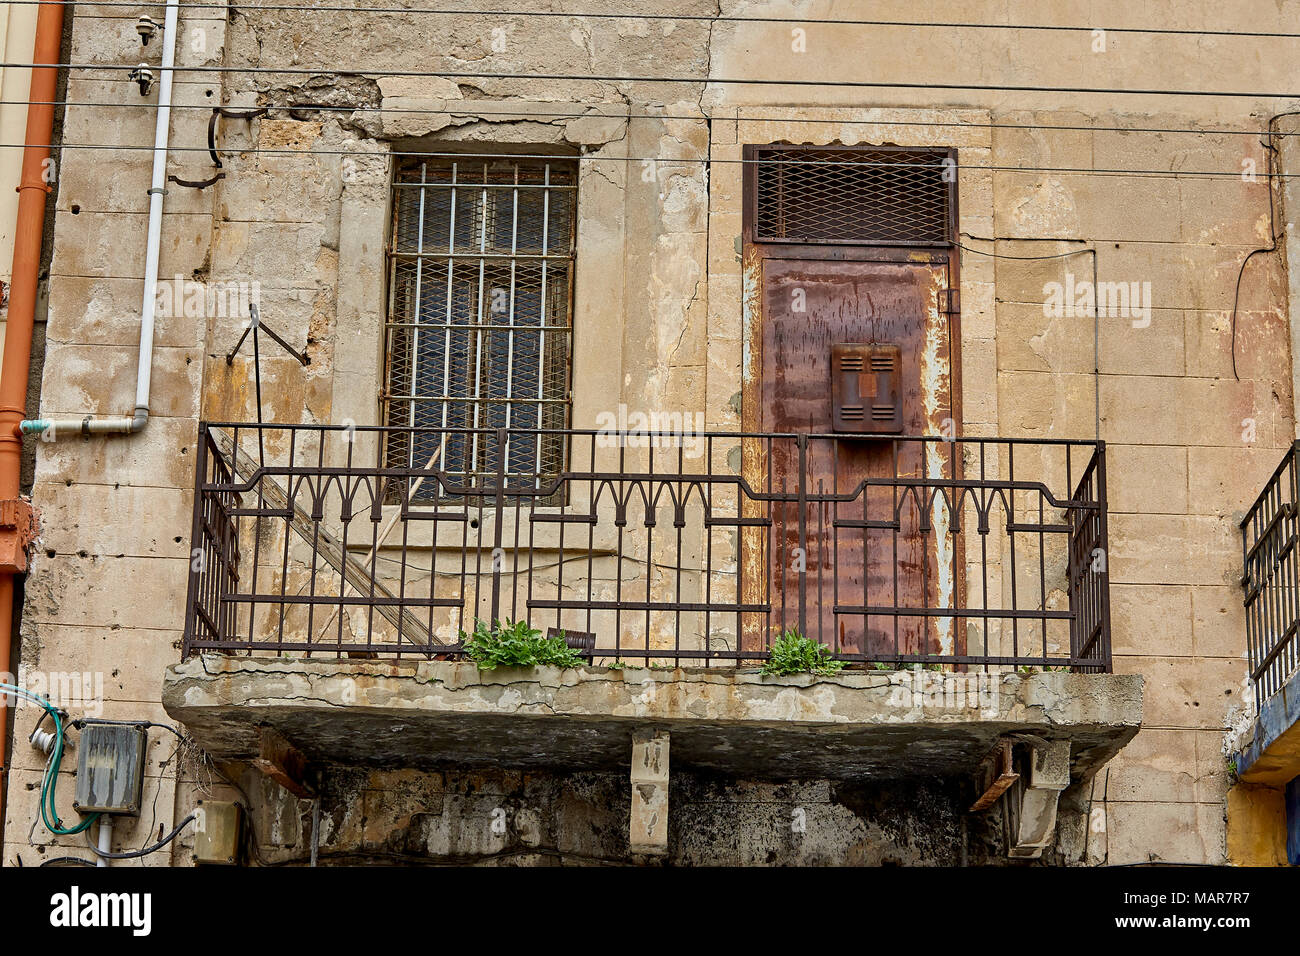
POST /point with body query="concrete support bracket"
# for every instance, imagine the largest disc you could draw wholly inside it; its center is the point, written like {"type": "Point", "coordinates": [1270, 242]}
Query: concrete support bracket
{"type": "Point", "coordinates": [1033, 810]}
{"type": "Point", "coordinates": [648, 827]}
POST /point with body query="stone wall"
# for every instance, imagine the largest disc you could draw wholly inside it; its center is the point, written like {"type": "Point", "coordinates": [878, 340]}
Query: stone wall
{"type": "Point", "coordinates": [658, 315]}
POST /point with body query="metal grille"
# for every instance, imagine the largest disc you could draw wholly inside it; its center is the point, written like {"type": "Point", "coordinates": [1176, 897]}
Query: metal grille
{"type": "Point", "coordinates": [479, 318]}
{"type": "Point", "coordinates": [869, 196]}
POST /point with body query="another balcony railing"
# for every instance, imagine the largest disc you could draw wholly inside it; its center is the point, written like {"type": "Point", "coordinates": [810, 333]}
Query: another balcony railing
{"type": "Point", "coordinates": [695, 549]}
{"type": "Point", "coordinates": [1271, 579]}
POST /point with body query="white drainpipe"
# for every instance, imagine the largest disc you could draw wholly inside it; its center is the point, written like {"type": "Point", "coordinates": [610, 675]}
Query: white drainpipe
{"type": "Point", "coordinates": [105, 841]}
{"type": "Point", "coordinates": [51, 428]}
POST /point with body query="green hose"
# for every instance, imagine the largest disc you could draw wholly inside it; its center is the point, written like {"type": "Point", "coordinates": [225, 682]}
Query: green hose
{"type": "Point", "coordinates": [49, 815]}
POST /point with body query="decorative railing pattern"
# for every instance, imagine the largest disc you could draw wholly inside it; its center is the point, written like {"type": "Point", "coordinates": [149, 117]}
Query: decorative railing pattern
{"type": "Point", "coordinates": [669, 548]}
{"type": "Point", "coordinates": [1271, 579]}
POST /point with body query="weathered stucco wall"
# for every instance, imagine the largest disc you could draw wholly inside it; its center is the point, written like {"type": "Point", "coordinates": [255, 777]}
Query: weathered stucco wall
{"type": "Point", "coordinates": [658, 304]}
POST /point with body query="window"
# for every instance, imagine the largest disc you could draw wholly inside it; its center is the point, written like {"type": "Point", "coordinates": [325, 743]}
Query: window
{"type": "Point", "coordinates": [480, 316]}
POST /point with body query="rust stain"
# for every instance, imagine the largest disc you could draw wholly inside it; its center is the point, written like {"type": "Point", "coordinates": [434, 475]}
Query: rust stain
{"type": "Point", "coordinates": [936, 400]}
{"type": "Point", "coordinates": [754, 464]}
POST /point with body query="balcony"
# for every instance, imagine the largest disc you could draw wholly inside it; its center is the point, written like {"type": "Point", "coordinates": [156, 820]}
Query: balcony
{"type": "Point", "coordinates": [1270, 750]}
{"type": "Point", "coordinates": [962, 583]}
{"type": "Point", "coordinates": [985, 554]}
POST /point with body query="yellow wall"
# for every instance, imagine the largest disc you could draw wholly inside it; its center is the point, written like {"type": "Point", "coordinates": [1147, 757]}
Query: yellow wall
{"type": "Point", "coordinates": [1256, 826]}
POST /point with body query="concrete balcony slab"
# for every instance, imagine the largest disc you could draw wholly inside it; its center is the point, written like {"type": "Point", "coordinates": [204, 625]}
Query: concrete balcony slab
{"type": "Point", "coordinates": [442, 714]}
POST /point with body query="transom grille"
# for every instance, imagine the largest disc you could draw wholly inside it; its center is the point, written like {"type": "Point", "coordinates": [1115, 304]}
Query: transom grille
{"type": "Point", "coordinates": [867, 196]}
{"type": "Point", "coordinates": [479, 318]}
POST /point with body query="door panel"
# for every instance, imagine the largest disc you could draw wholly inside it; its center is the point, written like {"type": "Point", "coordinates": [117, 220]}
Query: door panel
{"type": "Point", "coordinates": [852, 562]}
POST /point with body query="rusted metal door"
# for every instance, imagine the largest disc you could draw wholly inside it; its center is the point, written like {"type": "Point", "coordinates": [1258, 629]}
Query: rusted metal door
{"type": "Point", "coordinates": [868, 550]}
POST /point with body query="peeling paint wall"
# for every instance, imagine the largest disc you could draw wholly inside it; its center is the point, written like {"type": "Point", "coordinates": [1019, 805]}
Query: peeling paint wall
{"type": "Point", "coordinates": [661, 298]}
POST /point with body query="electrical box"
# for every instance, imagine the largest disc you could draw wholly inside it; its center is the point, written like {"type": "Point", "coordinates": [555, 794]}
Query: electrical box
{"type": "Point", "coordinates": [216, 832]}
{"type": "Point", "coordinates": [110, 767]}
{"type": "Point", "coordinates": [864, 388]}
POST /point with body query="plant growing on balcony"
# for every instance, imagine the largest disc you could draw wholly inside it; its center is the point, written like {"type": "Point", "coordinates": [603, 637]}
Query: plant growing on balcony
{"type": "Point", "coordinates": [792, 653]}
{"type": "Point", "coordinates": [515, 644]}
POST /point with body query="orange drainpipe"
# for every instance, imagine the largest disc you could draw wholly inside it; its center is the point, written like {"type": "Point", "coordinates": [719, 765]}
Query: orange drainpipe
{"type": "Point", "coordinates": [17, 525]}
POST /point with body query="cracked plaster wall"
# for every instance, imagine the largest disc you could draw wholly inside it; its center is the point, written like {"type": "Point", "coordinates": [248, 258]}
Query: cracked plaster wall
{"type": "Point", "coordinates": [651, 330]}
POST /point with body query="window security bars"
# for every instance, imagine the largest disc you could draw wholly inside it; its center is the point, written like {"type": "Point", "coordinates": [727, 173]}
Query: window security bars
{"type": "Point", "coordinates": [479, 319]}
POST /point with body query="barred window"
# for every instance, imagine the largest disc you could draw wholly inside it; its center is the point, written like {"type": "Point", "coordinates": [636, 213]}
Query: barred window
{"type": "Point", "coordinates": [480, 315]}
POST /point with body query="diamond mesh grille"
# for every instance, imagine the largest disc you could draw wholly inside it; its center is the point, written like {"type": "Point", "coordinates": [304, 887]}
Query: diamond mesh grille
{"type": "Point", "coordinates": [480, 321]}
{"type": "Point", "coordinates": [861, 196]}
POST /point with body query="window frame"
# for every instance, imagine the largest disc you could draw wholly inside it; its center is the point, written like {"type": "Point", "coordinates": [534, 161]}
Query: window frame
{"type": "Point", "coordinates": [483, 176]}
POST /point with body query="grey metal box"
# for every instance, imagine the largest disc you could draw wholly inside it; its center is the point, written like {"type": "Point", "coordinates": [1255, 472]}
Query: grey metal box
{"type": "Point", "coordinates": [216, 835]}
{"type": "Point", "coordinates": [110, 767]}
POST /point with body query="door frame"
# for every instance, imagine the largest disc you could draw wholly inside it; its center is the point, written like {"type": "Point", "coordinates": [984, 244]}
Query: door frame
{"type": "Point", "coordinates": [754, 557]}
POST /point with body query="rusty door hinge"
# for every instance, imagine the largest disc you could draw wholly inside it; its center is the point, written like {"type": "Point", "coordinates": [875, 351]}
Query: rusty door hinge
{"type": "Point", "coordinates": [949, 301]}
{"type": "Point", "coordinates": [18, 531]}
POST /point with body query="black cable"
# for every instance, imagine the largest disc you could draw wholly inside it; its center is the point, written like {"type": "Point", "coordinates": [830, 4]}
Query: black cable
{"type": "Point", "coordinates": [666, 160]}
{"type": "Point", "coordinates": [684, 80]}
{"type": "Point", "coordinates": [1096, 307]}
{"type": "Point", "coordinates": [1270, 152]}
{"type": "Point", "coordinates": [701, 18]}
{"type": "Point", "coordinates": [68, 861]}
{"type": "Point", "coordinates": [132, 854]}
{"type": "Point", "coordinates": [478, 113]}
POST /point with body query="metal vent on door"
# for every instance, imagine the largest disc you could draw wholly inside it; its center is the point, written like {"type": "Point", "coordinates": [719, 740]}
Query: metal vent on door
{"type": "Point", "coordinates": [864, 388]}
{"type": "Point", "coordinates": [857, 195]}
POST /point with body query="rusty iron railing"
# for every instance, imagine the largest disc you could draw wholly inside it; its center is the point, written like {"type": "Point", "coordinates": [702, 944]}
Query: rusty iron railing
{"type": "Point", "coordinates": [1271, 579]}
{"type": "Point", "coordinates": [664, 547]}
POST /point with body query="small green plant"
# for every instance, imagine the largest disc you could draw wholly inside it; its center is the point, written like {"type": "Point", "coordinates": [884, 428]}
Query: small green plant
{"type": "Point", "coordinates": [1230, 763]}
{"type": "Point", "coordinates": [792, 653]}
{"type": "Point", "coordinates": [515, 644]}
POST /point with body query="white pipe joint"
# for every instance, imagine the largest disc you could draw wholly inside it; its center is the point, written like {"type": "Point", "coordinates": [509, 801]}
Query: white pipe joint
{"type": "Point", "coordinates": [50, 429]}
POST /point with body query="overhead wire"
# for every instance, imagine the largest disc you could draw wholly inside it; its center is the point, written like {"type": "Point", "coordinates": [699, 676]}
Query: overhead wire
{"type": "Point", "coordinates": [591, 112]}
{"type": "Point", "coordinates": [666, 160]}
{"type": "Point", "coordinates": [683, 80]}
{"type": "Point", "coordinates": [703, 18]}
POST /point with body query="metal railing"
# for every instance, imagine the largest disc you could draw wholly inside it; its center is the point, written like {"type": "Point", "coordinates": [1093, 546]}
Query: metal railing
{"type": "Point", "coordinates": [1271, 579]}
{"type": "Point", "coordinates": [663, 548]}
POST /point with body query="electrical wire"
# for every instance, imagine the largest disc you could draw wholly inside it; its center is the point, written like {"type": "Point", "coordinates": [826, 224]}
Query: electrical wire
{"type": "Point", "coordinates": [133, 854]}
{"type": "Point", "coordinates": [684, 80]}
{"type": "Point", "coordinates": [1271, 172]}
{"type": "Point", "coordinates": [588, 113]}
{"type": "Point", "coordinates": [49, 814]}
{"type": "Point", "coordinates": [667, 161]}
{"type": "Point", "coordinates": [1096, 308]}
{"type": "Point", "coordinates": [701, 18]}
